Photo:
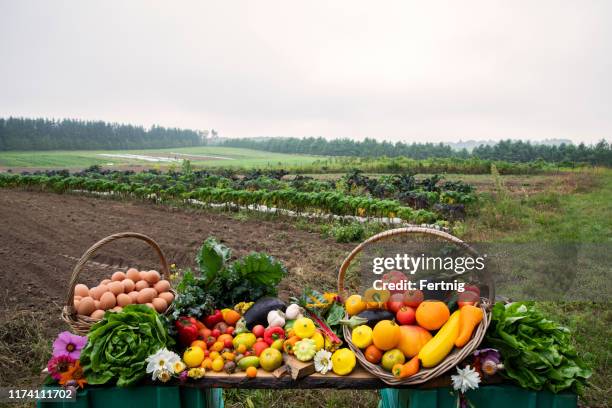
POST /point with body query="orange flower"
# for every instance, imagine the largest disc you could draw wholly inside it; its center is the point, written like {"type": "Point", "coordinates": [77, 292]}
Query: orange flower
{"type": "Point", "coordinates": [74, 374]}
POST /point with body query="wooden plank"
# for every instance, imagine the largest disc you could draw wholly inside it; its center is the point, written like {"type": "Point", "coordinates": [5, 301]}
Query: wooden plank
{"type": "Point", "coordinates": [358, 379]}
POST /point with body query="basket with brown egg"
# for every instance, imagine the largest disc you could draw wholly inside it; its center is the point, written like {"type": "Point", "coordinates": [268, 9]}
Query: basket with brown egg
{"type": "Point", "coordinates": [85, 306]}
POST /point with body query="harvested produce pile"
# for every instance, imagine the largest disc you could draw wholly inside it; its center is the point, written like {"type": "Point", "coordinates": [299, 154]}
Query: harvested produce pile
{"type": "Point", "coordinates": [402, 196]}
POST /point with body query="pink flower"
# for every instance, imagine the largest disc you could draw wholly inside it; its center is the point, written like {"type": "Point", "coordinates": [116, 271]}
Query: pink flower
{"type": "Point", "coordinates": [68, 344]}
{"type": "Point", "coordinates": [58, 365]}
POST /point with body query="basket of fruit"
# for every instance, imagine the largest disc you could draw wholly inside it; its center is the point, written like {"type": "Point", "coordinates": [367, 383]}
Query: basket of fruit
{"type": "Point", "coordinates": [85, 306]}
{"type": "Point", "coordinates": [422, 339]}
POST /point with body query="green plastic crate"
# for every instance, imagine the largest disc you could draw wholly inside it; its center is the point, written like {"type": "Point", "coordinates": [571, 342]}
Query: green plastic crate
{"type": "Point", "coordinates": [488, 396]}
{"type": "Point", "coordinates": [145, 396]}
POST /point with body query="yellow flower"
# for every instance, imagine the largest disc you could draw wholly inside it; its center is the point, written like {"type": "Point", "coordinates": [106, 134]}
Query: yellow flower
{"type": "Point", "coordinates": [178, 367]}
{"type": "Point", "coordinates": [196, 373]}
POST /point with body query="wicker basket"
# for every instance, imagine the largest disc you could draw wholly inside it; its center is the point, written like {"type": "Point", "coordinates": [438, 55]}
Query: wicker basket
{"type": "Point", "coordinates": [457, 354]}
{"type": "Point", "coordinates": [81, 324]}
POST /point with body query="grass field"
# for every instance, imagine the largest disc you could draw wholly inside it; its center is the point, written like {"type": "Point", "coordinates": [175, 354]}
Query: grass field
{"type": "Point", "coordinates": [205, 156]}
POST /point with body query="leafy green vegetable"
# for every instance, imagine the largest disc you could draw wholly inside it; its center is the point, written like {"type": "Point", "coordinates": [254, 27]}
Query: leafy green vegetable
{"type": "Point", "coordinates": [222, 284]}
{"type": "Point", "coordinates": [118, 345]}
{"type": "Point", "coordinates": [536, 352]}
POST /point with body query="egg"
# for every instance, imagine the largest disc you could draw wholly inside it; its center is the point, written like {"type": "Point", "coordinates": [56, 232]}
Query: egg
{"type": "Point", "coordinates": [146, 295]}
{"type": "Point", "coordinates": [97, 304]}
{"type": "Point", "coordinates": [86, 306]}
{"type": "Point", "coordinates": [76, 303]}
{"type": "Point", "coordinates": [128, 285]}
{"type": "Point", "coordinates": [162, 286]}
{"type": "Point", "coordinates": [115, 287]}
{"type": "Point", "coordinates": [152, 277]}
{"type": "Point", "coordinates": [143, 275]}
{"type": "Point", "coordinates": [167, 296]}
{"type": "Point", "coordinates": [81, 290]}
{"type": "Point", "coordinates": [123, 299]}
{"type": "Point", "coordinates": [133, 296]}
{"type": "Point", "coordinates": [133, 274]}
{"type": "Point", "coordinates": [108, 301]}
{"type": "Point", "coordinates": [150, 305]}
{"type": "Point", "coordinates": [98, 291]}
{"type": "Point", "coordinates": [117, 309]}
{"type": "Point", "coordinates": [78, 297]}
{"type": "Point", "coordinates": [98, 314]}
{"type": "Point", "coordinates": [160, 305]}
{"type": "Point", "coordinates": [118, 276]}
{"type": "Point", "coordinates": [141, 284]}
{"type": "Point", "coordinates": [105, 282]}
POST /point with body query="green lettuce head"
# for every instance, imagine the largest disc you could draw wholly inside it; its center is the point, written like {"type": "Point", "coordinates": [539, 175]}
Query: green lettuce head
{"type": "Point", "coordinates": [119, 344]}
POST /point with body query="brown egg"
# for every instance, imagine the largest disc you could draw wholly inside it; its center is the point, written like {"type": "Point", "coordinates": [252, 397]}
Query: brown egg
{"type": "Point", "coordinates": [81, 290]}
{"type": "Point", "coordinates": [76, 303]}
{"type": "Point", "coordinates": [98, 291]}
{"type": "Point", "coordinates": [162, 286]}
{"type": "Point", "coordinates": [150, 305]}
{"type": "Point", "coordinates": [115, 287]}
{"type": "Point", "coordinates": [133, 296]}
{"type": "Point", "coordinates": [98, 314]}
{"type": "Point", "coordinates": [160, 305]}
{"type": "Point", "coordinates": [97, 304]}
{"type": "Point", "coordinates": [146, 295]}
{"type": "Point", "coordinates": [133, 274]}
{"type": "Point", "coordinates": [167, 296]}
{"type": "Point", "coordinates": [128, 285]}
{"type": "Point", "coordinates": [86, 306]}
{"type": "Point", "coordinates": [78, 297]}
{"type": "Point", "coordinates": [123, 299]}
{"type": "Point", "coordinates": [143, 275]}
{"type": "Point", "coordinates": [117, 309]}
{"type": "Point", "coordinates": [108, 301]}
{"type": "Point", "coordinates": [105, 282]}
{"type": "Point", "coordinates": [152, 277]}
{"type": "Point", "coordinates": [118, 276]}
{"type": "Point", "coordinates": [141, 284]}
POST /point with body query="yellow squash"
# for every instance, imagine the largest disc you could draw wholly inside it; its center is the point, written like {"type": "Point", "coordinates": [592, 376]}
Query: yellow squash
{"type": "Point", "coordinates": [434, 351]}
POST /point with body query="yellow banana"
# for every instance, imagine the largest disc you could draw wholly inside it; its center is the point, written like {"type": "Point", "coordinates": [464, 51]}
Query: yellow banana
{"type": "Point", "coordinates": [441, 344]}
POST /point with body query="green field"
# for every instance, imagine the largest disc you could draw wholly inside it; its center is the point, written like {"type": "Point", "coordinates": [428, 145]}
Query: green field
{"type": "Point", "coordinates": [217, 157]}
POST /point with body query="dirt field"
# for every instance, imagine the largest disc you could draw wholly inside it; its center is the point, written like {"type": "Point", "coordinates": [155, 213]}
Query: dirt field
{"type": "Point", "coordinates": [43, 235]}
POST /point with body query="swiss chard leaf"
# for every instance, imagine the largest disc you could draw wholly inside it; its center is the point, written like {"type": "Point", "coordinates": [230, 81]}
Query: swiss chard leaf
{"type": "Point", "coordinates": [211, 258]}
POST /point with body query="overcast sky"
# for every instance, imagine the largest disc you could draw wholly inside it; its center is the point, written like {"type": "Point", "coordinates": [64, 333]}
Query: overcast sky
{"type": "Point", "coordinates": [396, 70]}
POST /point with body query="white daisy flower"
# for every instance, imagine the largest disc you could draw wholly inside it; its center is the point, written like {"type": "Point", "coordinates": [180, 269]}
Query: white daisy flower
{"type": "Point", "coordinates": [162, 360]}
{"type": "Point", "coordinates": [322, 361]}
{"type": "Point", "coordinates": [466, 379]}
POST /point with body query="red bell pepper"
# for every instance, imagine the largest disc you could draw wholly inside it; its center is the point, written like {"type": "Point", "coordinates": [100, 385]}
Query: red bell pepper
{"type": "Point", "coordinates": [187, 330]}
{"type": "Point", "coordinates": [213, 319]}
{"type": "Point", "coordinates": [273, 333]}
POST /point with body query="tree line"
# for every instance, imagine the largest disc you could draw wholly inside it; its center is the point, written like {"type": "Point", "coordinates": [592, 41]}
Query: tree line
{"type": "Point", "coordinates": [69, 134]}
{"type": "Point", "coordinates": [506, 150]}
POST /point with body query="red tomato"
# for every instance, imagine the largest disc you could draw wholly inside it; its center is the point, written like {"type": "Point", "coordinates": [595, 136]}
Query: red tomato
{"type": "Point", "coordinates": [467, 298]}
{"type": "Point", "coordinates": [405, 315]}
{"type": "Point", "coordinates": [394, 277]}
{"type": "Point", "coordinates": [395, 302]}
{"type": "Point", "coordinates": [413, 298]}
{"type": "Point", "coordinates": [215, 333]}
{"type": "Point", "coordinates": [258, 330]}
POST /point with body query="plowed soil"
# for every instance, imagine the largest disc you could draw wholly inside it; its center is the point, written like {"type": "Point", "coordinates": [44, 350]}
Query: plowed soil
{"type": "Point", "coordinates": [42, 235]}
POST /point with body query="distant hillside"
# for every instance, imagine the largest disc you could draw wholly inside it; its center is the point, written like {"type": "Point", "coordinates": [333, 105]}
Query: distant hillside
{"type": "Point", "coordinates": [68, 134]}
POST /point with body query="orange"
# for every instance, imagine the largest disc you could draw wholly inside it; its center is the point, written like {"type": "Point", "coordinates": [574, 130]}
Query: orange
{"type": "Point", "coordinates": [432, 314]}
{"type": "Point", "coordinates": [230, 316]}
{"type": "Point", "coordinates": [386, 334]}
{"type": "Point", "coordinates": [372, 354]}
{"type": "Point", "coordinates": [217, 346]}
{"type": "Point", "coordinates": [207, 363]}
{"type": "Point", "coordinates": [251, 372]}
{"type": "Point", "coordinates": [199, 343]}
{"type": "Point", "coordinates": [242, 348]}
{"type": "Point", "coordinates": [412, 339]}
